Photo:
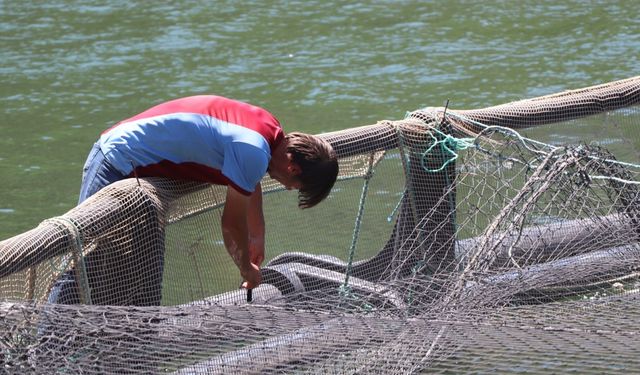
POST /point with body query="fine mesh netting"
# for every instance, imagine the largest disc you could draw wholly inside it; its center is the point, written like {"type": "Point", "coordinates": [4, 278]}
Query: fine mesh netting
{"type": "Point", "coordinates": [453, 242]}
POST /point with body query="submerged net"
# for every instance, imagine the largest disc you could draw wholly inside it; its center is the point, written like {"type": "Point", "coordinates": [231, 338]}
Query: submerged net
{"type": "Point", "coordinates": [453, 242]}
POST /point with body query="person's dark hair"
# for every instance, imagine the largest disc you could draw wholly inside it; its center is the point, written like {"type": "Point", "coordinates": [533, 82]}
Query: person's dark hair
{"type": "Point", "coordinates": [318, 167]}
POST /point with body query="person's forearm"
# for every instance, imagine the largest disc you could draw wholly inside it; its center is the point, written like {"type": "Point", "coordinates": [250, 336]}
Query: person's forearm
{"type": "Point", "coordinates": [255, 222]}
{"type": "Point", "coordinates": [235, 233]}
{"type": "Point", "coordinates": [256, 242]}
{"type": "Point", "coordinates": [255, 217]}
{"type": "Point", "coordinates": [235, 241]}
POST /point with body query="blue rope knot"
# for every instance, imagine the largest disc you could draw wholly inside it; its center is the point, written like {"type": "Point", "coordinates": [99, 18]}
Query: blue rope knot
{"type": "Point", "coordinates": [448, 146]}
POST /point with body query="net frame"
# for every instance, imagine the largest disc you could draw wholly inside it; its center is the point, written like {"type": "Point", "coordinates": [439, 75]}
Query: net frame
{"type": "Point", "coordinates": [403, 297]}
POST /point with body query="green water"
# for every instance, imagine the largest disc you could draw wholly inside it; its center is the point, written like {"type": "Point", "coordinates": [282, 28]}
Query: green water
{"type": "Point", "coordinates": [69, 69]}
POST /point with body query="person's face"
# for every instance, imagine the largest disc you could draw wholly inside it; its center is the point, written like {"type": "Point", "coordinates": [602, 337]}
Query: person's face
{"type": "Point", "coordinates": [286, 173]}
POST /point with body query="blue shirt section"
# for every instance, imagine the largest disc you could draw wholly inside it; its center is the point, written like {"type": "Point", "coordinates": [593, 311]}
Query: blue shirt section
{"type": "Point", "coordinates": [186, 139]}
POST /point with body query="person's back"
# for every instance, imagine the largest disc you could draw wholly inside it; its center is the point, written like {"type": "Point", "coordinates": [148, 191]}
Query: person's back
{"type": "Point", "coordinates": [201, 138]}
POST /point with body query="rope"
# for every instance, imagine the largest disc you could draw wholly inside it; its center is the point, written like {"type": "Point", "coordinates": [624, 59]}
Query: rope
{"type": "Point", "coordinates": [448, 145]}
{"type": "Point", "coordinates": [356, 229]}
{"type": "Point", "coordinates": [395, 209]}
{"type": "Point", "coordinates": [407, 172]}
{"type": "Point", "coordinates": [78, 257]}
{"type": "Point", "coordinates": [525, 141]}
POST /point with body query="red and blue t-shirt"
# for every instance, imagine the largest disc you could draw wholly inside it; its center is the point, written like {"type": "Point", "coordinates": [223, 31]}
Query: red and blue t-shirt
{"type": "Point", "coordinates": [201, 138]}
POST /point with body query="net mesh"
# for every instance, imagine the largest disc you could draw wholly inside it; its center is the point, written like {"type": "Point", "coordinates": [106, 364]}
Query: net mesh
{"type": "Point", "coordinates": [453, 242]}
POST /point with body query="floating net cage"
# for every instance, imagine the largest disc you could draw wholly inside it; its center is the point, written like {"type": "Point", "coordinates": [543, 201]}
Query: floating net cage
{"type": "Point", "coordinates": [453, 242]}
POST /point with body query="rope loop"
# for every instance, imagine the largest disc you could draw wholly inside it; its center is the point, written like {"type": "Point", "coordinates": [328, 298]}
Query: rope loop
{"type": "Point", "coordinates": [448, 145]}
{"type": "Point", "coordinates": [71, 227]}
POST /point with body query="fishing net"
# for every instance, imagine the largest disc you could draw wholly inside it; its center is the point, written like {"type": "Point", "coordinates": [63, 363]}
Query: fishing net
{"type": "Point", "coordinates": [452, 242]}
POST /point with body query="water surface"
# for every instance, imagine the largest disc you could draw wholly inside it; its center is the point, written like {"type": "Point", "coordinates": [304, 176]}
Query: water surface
{"type": "Point", "coordinates": [69, 69]}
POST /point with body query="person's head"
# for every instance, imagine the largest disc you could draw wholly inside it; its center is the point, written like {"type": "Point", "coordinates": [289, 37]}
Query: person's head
{"type": "Point", "coordinates": [307, 163]}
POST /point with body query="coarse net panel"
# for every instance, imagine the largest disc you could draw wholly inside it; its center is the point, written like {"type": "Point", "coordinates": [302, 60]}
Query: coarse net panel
{"type": "Point", "coordinates": [503, 239]}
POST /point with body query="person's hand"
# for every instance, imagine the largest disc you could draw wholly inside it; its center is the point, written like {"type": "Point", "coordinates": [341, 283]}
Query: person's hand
{"type": "Point", "coordinates": [251, 275]}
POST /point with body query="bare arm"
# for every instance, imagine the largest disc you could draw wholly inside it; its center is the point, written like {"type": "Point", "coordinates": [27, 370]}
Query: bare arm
{"type": "Point", "coordinates": [235, 232]}
{"type": "Point", "coordinates": [256, 227]}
